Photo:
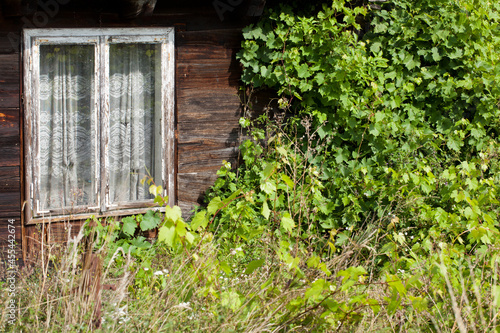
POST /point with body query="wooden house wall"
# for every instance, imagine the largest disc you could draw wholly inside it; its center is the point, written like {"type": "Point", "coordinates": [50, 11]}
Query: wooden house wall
{"type": "Point", "coordinates": [207, 107]}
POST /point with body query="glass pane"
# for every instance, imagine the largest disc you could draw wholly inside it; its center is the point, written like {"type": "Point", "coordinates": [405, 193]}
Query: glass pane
{"type": "Point", "coordinates": [135, 117]}
{"type": "Point", "coordinates": [66, 127]}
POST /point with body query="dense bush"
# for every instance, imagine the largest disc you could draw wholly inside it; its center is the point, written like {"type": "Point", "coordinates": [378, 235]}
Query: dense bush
{"type": "Point", "coordinates": [408, 111]}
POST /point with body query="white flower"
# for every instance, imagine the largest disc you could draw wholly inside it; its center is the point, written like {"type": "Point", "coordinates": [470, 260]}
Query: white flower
{"type": "Point", "coordinates": [238, 249]}
{"type": "Point", "coordinates": [146, 269]}
{"type": "Point", "coordinates": [158, 273]}
{"type": "Point", "coordinates": [183, 305]}
{"type": "Point", "coordinates": [165, 271]}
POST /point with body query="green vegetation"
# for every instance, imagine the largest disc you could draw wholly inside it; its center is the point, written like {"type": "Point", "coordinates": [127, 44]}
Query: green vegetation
{"type": "Point", "coordinates": [366, 199]}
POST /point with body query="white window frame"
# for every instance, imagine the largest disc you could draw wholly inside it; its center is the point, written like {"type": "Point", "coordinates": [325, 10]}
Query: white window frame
{"type": "Point", "coordinates": [101, 38]}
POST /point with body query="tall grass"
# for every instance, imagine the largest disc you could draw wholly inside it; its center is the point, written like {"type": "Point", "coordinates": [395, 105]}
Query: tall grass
{"type": "Point", "coordinates": [187, 292]}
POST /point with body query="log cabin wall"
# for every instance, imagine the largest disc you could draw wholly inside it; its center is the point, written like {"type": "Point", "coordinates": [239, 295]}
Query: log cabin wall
{"type": "Point", "coordinates": [206, 83]}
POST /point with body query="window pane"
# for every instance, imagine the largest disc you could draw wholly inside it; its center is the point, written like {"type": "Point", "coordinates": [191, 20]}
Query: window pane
{"type": "Point", "coordinates": [66, 127]}
{"type": "Point", "coordinates": [135, 117]}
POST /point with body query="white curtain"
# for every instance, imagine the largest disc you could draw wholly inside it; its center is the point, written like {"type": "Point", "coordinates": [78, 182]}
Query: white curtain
{"type": "Point", "coordinates": [66, 127]}
{"type": "Point", "coordinates": [134, 97]}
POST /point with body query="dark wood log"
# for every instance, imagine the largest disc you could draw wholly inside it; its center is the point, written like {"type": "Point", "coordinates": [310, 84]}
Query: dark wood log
{"type": "Point", "coordinates": [210, 160]}
{"type": "Point", "coordinates": [9, 151]}
{"type": "Point", "coordinates": [192, 186]}
{"type": "Point", "coordinates": [9, 179]}
{"type": "Point", "coordinates": [10, 201]}
{"type": "Point", "coordinates": [188, 40]}
{"type": "Point", "coordinates": [9, 80]}
{"type": "Point", "coordinates": [203, 105]}
{"type": "Point", "coordinates": [10, 39]}
{"type": "Point", "coordinates": [9, 122]}
{"type": "Point", "coordinates": [212, 75]}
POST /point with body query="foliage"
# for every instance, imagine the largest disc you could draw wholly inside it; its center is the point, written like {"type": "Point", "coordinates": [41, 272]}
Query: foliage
{"type": "Point", "coordinates": [401, 105]}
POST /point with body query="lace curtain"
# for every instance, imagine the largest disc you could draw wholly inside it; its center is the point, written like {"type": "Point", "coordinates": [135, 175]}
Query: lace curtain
{"type": "Point", "coordinates": [134, 103]}
{"type": "Point", "coordinates": [67, 145]}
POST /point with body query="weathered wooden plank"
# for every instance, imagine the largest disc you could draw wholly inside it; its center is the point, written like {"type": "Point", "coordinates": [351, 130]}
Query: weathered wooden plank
{"type": "Point", "coordinates": [207, 105]}
{"type": "Point", "coordinates": [10, 215]}
{"type": "Point", "coordinates": [204, 53]}
{"type": "Point", "coordinates": [34, 240]}
{"type": "Point", "coordinates": [59, 232]}
{"type": "Point", "coordinates": [227, 131]}
{"type": "Point", "coordinates": [10, 201]}
{"type": "Point", "coordinates": [9, 179]}
{"type": "Point", "coordinates": [10, 39]}
{"type": "Point", "coordinates": [9, 80]}
{"type": "Point", "coordinates": [198, 161]}
{"type": "Point", "coordinates": [192, 186]}
{"type": "Point", "coordinates": [9, 122]}
{"type": "Point", "coordinates": [215, 75]}
{"type": "Point", "coordinates": [229, 38]}
{"type": "Point", "coordinates": [9, 151]}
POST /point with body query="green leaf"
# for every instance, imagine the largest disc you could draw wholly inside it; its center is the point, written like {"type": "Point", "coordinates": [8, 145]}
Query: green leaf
{"type": "Point", "coordinates": [395, 282]}
{"type": "Point", "coordinates": [341, 239]}
{"type": "Point", "coordinates": [394, 302]}
{"type": "Point", "coordinates": [230, 299]}
{"type": "Point", "coordinates": [180, 228]}
{"type": "Point", "coordinates": [173, 213]}
{"type": "Point", "coordinates": [225, 267]}
{"type": "Point", "coordinates": [265, 210]}
{"type": "Point", "coordinates": [287, 222]}
{"type": "Point", "coordinates": [435, 54]}
{"type": "Point", "coordinates": [313, 261]}
{"type": "Point", "coordinates": [167, 235]}
{"type": "Point", "coordinates": [303, 71]}
{"type": "Point", "coordinates": [268, 170]}
{"type": "Point", "coordinates": [149, 221]}
{"type": "Point", "coordinates": [140, 242]}
{"type": "Point", "coordinates": [282, 151]}
{"type": "Point", "coordinates": [316, 289]}
{"type": "Point", "coordinates": [253, 265]}
{"type": "Point", "coordinates": [129, 225]}
{"type": "Point", "coordinates": [199, 220]}
{"type": "Point", "coordinates": [189, 237]}
{"type": "Point", "coordinates": [269, 187]}
{"type": "Point", "coordinates": [213, 205]}
{"type": "Point", "coordinates": [152, 189]}
{"type": "Point", "coordinates": [287, 180]}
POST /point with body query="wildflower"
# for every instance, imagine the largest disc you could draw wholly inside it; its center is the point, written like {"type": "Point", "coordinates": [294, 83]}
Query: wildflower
{"type": "Point", "coordinates": [146, 268]}
{"type": "Point", "coordinates": [158, 273]}
{"type": "Point", "coordinates": [183, 305]}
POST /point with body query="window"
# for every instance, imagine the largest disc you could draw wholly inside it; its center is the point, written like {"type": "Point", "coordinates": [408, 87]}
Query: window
{"type": "Point", "coordinates": [99, 111]}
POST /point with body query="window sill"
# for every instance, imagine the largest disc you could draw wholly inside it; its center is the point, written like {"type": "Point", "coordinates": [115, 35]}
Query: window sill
{"type": "Point", "coordinates": [84, 216]}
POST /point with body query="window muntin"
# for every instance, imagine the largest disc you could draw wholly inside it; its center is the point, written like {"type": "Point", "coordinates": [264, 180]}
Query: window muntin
{"type": "Point", "coordinates": [98, 117]}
